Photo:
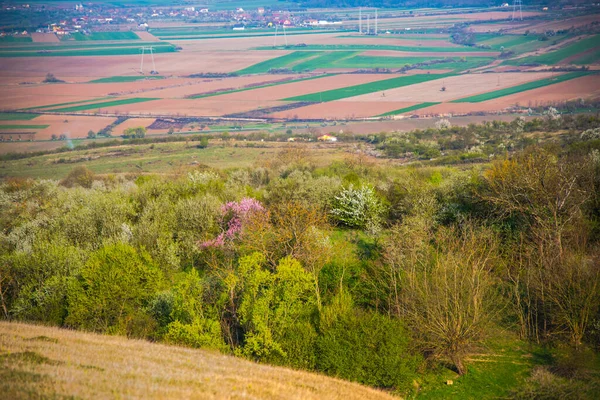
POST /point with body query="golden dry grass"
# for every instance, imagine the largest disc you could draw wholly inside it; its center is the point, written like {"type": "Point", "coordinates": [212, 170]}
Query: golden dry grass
{"type": "Point", "coordinates": [40, 362]}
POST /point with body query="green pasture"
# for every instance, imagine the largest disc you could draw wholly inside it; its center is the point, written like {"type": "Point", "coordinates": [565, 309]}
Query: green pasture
{"type": "Point", "coordinates": [356, 90]}
{"type": "Point", "coordinates": [520, 88]}
{"type": "Point", "coordinates": [105, 104]}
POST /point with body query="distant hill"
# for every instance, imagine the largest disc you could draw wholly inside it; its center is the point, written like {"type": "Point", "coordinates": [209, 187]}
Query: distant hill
{"type": "Point", "coordinates": [43, 362]}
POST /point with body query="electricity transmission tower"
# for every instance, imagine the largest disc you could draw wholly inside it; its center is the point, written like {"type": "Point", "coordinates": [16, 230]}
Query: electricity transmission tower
{"type": "Point", "coordinates": [369, 11]}
{"type": "Point", "coordinates": [151, 50]}
{"type": "Point", "coordinates": [518, 4]}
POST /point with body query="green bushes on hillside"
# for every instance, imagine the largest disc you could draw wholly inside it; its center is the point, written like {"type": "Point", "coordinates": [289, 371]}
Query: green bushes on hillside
{"type": "Point", "coordinates": [396, 277]}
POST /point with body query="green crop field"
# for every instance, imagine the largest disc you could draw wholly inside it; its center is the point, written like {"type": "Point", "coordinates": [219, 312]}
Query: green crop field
{"type": "Point", "coordinates": [126, 78]}
{"type": "Point", "coordinates": [497, 42]}
{"type": "Point", "coordinates": [23, 126]}
{"type": "Point", "coordinates": [101, 51]}
{"type": "Point", "coordinates": [409, 109]}
{"type": "Point", "coordinates": [556, 56]}
{"type": "Point", "coordinates": [105, 36]}
{"type": "Point", "coordinates": [367, 47]}
{"type": "Point", "coordinates": [17, 116]}
{"type": "Point", "coordinates": [114, 103]}
{"type": "Point", "coordinates": [77, 45]}
{"type": "Point", "coordinates": [324, 60]}
{"type": "Point", "coordinates": [15, 39]}
{"type": "Point", "coordinates": [520, 88]}
{"type": "Point", "coordinates": [278, 62]}
{"type": "Point", "coordinates": [589, 58]}
{"type": "Point", "coordinates": [66, 104]}
{"type": "Point", "coordinates": [365, 88]}
{"type": "Point", "coordinates": [200, 96]}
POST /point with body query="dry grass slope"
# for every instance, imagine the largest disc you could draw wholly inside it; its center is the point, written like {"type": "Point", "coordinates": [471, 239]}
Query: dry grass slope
{"type": "Point", "coordinates": [44, 362]}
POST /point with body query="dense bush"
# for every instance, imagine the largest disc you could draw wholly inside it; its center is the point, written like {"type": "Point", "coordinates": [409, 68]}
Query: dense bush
{"type": "Point", "coordinates": [112, 290]}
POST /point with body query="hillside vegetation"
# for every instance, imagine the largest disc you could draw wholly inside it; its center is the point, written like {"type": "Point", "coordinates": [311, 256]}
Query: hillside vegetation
{"type": "Point", "coordinates": [43, 362]}
{"type": "Point", "coordinates": [461, 262]}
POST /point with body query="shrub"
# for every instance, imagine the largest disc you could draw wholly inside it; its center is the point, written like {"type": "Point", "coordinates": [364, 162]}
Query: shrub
{"type": "Point", "coordinates": [111, 291]}
{"type": "Point", "coordinates": [357, 208]}
{"type": "Point", "coordinates": [79, 176]}
{"type": "Point", "coordinates": [364, 347]}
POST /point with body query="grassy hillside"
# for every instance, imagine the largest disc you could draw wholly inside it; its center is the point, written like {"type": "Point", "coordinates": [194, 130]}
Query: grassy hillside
{"type": "Point", "coordinates": [43, 362]}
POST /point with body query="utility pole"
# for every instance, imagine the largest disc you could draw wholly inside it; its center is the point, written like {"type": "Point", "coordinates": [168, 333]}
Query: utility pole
{"type": "Point", "coordinates": [375, 22]}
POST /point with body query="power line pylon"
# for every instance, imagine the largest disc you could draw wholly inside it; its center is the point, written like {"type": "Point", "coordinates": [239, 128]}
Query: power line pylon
{"type": "Point", "coordinates": [517, 4]}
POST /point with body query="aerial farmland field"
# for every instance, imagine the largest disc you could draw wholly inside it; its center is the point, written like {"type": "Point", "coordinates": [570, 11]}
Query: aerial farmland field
{"type": "Point", "coordinates": [414, 66]}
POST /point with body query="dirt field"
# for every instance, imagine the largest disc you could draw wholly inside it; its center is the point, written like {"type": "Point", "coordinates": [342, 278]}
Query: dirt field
{"type": "Point", "coordinates": [44, 37]}
{"type": "Point", "coordinates": [25, 96]}
{"type": "Point", "coordinates": [456, 87]}
{"type": "Point", "coordinates": [177, 64]}
{"type": "Point", "coordinates": [210, 85]}
{"type": "Point", "coordinates": [441, 19]}
{"type": "Point", "coordinates": [70, 125]}
{"type": "Point", "coordinates": [558, 25]}
{"type": "Point", "coordinates": [407, 124]}
{"type": "Point", "coordinates": [147, 36]}
{"type": "Point", "coordinates": [337, 110]}
{"type": "Point", "coordinates": [386, 41]}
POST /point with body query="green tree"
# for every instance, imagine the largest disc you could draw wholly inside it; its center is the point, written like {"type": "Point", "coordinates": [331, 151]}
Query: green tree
{"type": "Point", "coordinates": [271, 303]}
{"type": "Point", "coordinates": [135, 133]}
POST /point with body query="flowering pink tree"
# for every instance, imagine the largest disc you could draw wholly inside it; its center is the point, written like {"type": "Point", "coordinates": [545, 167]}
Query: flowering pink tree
{"type": "Point", "coordinates": [234, 215]}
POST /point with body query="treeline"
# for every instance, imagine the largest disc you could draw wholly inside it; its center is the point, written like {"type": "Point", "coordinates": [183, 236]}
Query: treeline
{"type": "Point", "coordinates": [370, 273]}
